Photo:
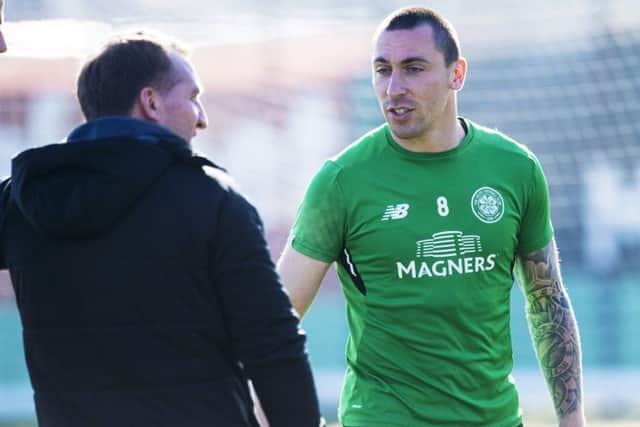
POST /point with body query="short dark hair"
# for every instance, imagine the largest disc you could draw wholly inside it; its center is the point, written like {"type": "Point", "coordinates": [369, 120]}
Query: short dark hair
{"type": "Point", "coordinates": [109, 83]}
{"type": "Point", "coordinates": [408, 18]}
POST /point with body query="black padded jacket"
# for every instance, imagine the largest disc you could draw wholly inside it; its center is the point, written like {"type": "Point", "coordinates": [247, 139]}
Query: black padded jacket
{"type": "Point", "coordinates": [145, 287]}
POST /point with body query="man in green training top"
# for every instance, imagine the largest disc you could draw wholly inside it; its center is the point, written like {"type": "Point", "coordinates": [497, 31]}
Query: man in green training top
{"type": "Point", "coordinates": [425, 218]}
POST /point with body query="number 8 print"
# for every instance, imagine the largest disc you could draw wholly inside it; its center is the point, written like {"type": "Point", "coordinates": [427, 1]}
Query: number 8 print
{"type": "Point", "coordinates": [443, 207]}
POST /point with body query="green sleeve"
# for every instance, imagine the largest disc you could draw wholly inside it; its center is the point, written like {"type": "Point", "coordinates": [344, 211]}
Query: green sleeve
{"type": "Point", "coordinates": [318, 231]}
{"type": "Point", "coordinates": [536, 230]}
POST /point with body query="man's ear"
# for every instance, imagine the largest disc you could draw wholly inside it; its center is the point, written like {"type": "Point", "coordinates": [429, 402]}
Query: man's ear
{"type": "Point", "coordinates": [149, 104]}
{"type": "Point", "coordinates": [458, 75]}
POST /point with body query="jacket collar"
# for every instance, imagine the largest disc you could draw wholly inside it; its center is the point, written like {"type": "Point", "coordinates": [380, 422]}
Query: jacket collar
{"type": "Point", "coordinates": [123, 127]}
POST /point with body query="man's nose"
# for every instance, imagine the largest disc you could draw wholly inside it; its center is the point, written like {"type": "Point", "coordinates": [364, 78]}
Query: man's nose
{"type": "Point", "coordinates": [395, 85]}
{"type": "Point", "coordinates": [203, 122]}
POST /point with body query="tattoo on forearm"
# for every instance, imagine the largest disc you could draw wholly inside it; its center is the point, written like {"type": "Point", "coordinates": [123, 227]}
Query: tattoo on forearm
{"type": "Point", "coordinates": [553, 328]}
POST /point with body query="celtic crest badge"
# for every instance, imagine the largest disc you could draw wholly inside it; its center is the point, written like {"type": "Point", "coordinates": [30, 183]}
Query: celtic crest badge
{"type": "Point", "coordinates": [487, 205]}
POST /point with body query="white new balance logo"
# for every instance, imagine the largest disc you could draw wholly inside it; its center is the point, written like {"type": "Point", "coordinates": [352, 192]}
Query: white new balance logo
{"type": "Point", "coordinates": [398, 211]}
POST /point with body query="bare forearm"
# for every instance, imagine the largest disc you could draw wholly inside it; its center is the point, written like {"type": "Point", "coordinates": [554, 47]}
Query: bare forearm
{"type": "Point", "coordinates": [301, 276]}
{"type": "Point", "coordinates": [554, 332]}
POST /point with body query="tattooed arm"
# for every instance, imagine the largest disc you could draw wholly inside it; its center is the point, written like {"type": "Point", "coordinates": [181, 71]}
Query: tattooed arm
{"type": "Point", "coordinates": [554, 331]}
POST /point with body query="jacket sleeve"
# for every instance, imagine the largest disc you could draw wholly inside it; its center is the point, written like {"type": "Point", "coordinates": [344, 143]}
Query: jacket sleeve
{"type": "Point", "coordinates": [262, 325]}
{"type": "Point", "coordinates": [5, 189]}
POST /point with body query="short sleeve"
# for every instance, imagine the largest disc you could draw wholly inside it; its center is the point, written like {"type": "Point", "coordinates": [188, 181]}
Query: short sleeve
{"type": "Point", "coordinates": [318, 231]}
{"type": "Point", "coordinates": [536, 229]}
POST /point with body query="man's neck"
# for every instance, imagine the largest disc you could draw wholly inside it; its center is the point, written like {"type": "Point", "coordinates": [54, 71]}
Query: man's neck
{"type": "Point", "coordinates": [439, 139]}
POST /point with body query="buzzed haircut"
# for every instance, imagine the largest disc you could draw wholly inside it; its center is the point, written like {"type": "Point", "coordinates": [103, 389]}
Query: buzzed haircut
{"type": "Point", "coordinates": [109, 84]}
{"type": "Point", "coordinates": [408, 18]}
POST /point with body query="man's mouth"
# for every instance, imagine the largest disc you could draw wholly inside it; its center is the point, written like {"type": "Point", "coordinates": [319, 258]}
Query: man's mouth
{"type": "Point", "coordinates": [399, 112]}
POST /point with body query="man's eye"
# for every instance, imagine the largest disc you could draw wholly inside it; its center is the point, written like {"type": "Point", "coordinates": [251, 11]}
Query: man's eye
{"type": "Point", "coordinates": [414, 69]}
{"type": "Point", "coordinates": [382, 70]}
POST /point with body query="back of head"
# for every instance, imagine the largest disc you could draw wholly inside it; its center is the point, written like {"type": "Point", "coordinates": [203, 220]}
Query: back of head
{"type": "Point", "coordinates": [3, 46]}
{"type": "Point", "coordinates": [110, 82]}
{"type": "Point", "coordinates": [408, 18]}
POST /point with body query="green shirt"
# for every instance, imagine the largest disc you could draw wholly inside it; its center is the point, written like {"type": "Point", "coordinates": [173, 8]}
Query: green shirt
{"type": "Point", "coordinates": [424, 245]}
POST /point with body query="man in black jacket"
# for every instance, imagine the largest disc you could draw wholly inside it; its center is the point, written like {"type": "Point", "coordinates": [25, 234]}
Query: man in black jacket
{"type": "Point", "coordinates": [144, 283]}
